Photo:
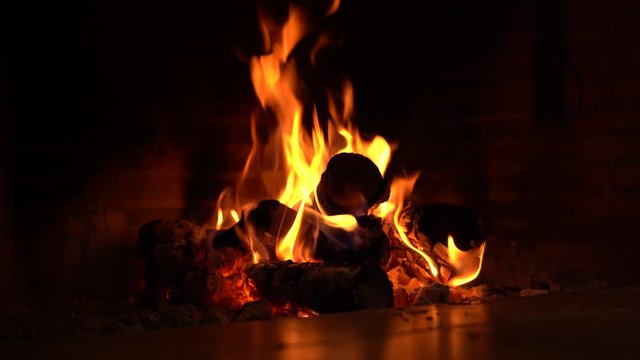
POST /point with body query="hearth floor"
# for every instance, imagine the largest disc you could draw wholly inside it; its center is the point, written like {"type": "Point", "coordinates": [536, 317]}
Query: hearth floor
{"type": "Point", "coordinates": [568, 326]}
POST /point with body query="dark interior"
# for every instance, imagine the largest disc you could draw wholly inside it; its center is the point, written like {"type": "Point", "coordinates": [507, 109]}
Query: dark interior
{"type": "Point", "coordinates": [117, 113]}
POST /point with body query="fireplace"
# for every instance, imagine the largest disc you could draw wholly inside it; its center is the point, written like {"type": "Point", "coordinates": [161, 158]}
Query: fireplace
{"type": "Point", "coordinates": [129, 122]}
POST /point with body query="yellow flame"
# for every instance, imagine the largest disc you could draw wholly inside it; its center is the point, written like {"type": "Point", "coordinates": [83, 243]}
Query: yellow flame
{"type": "Point", "coordinates": [467, 264]}
{"type": "Point", "coordinates": [291, 162]}
{"type": "Point", "coordinates": [346, 222]}
{"type": "Point", "coordinates": [235, 216]}
{"type": "Point", "coordinates": [219, 219]}
{"type": "Point", "coordinates": [401, 188]}
{"type": "Point", "coordinates": [285, 246]}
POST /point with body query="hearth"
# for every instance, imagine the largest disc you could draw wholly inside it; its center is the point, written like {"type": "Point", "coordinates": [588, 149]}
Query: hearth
{"type": "Point", "coordinates": [314, 223]}
{"type": "Point", "coordinates": [235, 167]}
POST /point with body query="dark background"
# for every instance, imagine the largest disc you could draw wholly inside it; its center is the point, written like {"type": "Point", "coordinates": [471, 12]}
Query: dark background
{"type": "Point", "coordinates": [114, 113]}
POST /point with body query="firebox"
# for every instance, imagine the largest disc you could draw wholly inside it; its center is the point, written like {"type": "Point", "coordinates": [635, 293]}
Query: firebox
{"type": "Point", "coordinates": [417, 180]}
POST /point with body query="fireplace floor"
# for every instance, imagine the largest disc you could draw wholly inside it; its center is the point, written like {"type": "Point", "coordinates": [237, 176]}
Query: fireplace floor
{"type": "Point", "coordinates": [589, 325]}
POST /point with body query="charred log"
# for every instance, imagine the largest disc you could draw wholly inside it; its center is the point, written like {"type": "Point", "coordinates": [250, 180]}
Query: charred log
{"type": "Point", "coordinates": [367, 243]}
{"type": "Point", "coordinates": [351, 184]}
{"type": "Point", "coordinates": [267, 223]}
{"type": "Point", "coordinates": [324, 288]}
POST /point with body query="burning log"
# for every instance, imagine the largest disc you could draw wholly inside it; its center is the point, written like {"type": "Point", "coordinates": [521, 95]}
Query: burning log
{"type": "Point", "coordinates": [270, 220]}
{"type": "Point", "coordinates": [180, 268]}
{"type": "Point", "coordinates": [324, 288]}
{"type": "Point", "coordinates": [351, 184]}
{"type": "Point", "coordinates": [449, 235]}
{"type": "Point", "coordinates": [267, 223]}
{"type": "Point", "coordinates": [367, 243]}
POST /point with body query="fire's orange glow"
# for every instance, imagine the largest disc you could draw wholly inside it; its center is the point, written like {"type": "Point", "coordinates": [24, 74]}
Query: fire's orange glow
{"type": "Point", "coordinates": [292, 161]}
{"type": "Point", "coordinates": [401, 188]}
{"type": "Point", "coordinates": [466, 264]}
{"type": "Point", "coordinates": [288, 165]}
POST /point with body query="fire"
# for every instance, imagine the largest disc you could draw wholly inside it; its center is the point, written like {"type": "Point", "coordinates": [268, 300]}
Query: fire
{"type": "Point", "coordinates": [288, 165]}
{"type": "Point", "coordinates": [401, 188]}
{"type": "Point", "coordinates": [467, 264]}
{"type": "Point", "coordinates": [291, 163]}
{"type": "Point", "coordinates": [464, 266]}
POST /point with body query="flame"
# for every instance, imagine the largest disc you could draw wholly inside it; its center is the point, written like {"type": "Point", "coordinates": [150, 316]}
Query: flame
{"type": "Point", "coordinates": [335, 4]}
{"type": "Point", "coordinates": [401, 188]}
{"type": "Point", "coordinates": [290, 163]}
{"type": "Point", "coordinates": [467, 264]}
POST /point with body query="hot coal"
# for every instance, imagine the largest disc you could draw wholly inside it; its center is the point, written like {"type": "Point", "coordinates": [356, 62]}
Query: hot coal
{"type": "Point", "coordinates": [324, 288]}
{"type": "Point", "coordinates": [267, 223]}
{"type": "Point", "coordinates": [351, 184]}
{"type": "Point", "coordinates": [270, 220]}
{"type": "Point", "coordinates": [367, 243]}
{"type": "Point", "coordinates": [437, 221]}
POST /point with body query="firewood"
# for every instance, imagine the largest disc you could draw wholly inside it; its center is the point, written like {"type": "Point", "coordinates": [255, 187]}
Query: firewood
{"type": "Point", "coordinates": [270, 220]}
{"type": "Point", "coordinates": [367, 243]}
{"type": "Point", "coordinates": [265, 224]}
{"type": "Point", "coordinates": [324, 288]}
{"type": "Point", "coordinates": [351, 184]}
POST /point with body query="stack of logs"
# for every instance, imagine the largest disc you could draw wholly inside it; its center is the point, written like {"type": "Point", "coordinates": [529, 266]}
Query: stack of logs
{"type": "Point", "coordinates": [186, 263]}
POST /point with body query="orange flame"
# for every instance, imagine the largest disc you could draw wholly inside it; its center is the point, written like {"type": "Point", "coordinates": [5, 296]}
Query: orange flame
{"type": "Point", "coordinates": [467, 264]}
{"type": "Point", "coordinates": [290, 164]}
{"type": "Point", "coordinates": [401, 188]}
